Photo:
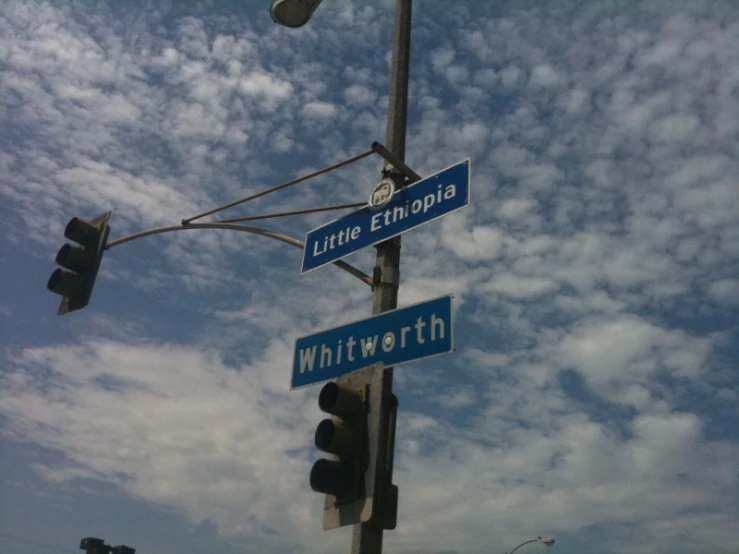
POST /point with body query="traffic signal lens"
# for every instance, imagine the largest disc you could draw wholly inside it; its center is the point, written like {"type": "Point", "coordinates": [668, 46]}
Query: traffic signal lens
{"type": "Point", "coordinates": [339, 401]}
{"type": "Point", "coordinates": [325, 435]}
{"type": "Point", "coordinates": [331, 477]}
{"type": "Point", "coordinates": [65, 283]}
{"type": "Point", "coordinates": [327, 397]}
{"type": "Point", "coordinates": [75, 258]}
{"type": "Point", "coordinates": [336, 438]}
{"type": "Point", "coordinates": [82, 232]}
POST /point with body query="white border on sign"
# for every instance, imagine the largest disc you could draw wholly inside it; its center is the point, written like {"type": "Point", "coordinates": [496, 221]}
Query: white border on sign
{"type": "Point", "coordinates": [451, 339]}
{"type": "Point", "coordinates": [469, 199]}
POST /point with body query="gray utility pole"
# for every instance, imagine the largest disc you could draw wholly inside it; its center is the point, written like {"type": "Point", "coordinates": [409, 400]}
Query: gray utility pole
{"type": "Point", "coordinates": [367, 537]}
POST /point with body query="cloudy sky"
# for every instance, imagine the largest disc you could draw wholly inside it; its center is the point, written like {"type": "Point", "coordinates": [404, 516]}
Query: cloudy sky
{"type": "Point", "coordinates": [593, 395]}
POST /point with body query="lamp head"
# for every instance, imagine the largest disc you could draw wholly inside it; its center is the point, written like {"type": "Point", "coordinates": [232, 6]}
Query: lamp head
{"type": "Point", "coordinates": [293, 13]}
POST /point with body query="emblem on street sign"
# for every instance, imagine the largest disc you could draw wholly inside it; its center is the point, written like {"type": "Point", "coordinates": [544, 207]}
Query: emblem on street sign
{"type": "Point", "coordinates": [381, 194]}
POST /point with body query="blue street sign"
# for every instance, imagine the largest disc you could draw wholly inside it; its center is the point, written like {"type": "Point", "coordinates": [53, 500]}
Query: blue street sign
{"type": "Point", "coordinates": [395, 337]}
{"type": "Point", "coordinates": [431, 198]}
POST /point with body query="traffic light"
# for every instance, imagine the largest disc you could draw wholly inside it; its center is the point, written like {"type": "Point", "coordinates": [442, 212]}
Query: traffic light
{"type": "Point", "coordinates": [344, 437]}
{"type": "Point", "coordinates": [355, 481]}
{"type": "Point", "coordinates": [91, 545]}
{"type": "Point", "coordinates": [83, 261]}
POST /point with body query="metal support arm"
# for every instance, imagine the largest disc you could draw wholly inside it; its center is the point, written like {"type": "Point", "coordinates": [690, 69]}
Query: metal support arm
{"type": "Point", "coordinates": [396, 162]}
{"type": "Point", "coordinates": [233, 227]}
{"type": "Point", "coordinates": [522, 544]}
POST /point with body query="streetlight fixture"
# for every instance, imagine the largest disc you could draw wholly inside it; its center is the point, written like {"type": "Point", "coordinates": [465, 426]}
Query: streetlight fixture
{"type": "Point", "coordinates": [293, 13]}
{"type": "Point", "coordinates": [548, 541]}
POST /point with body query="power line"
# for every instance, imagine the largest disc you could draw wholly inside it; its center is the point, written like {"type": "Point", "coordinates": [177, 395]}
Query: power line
{"type": "Point", "coordinates": [35, 543]}
{"type": "Point", "coordinates": [294, 212]}
{"type": "Point", "coordinates": [282, 186]}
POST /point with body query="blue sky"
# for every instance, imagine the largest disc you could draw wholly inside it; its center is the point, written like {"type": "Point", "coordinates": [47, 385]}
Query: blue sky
{"type": "Point", "coordinates": [593, 392]}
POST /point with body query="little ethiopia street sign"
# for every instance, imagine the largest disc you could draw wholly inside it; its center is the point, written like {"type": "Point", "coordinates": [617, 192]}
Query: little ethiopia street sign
{"type": "Point", "coordinates": [431, 198]}
{"type": "Point", "coordinates": [395, 337]}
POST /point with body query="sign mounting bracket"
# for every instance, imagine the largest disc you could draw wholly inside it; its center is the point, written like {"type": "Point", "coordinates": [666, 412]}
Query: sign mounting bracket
{"type": "Point", "coordinates": [396, 162]}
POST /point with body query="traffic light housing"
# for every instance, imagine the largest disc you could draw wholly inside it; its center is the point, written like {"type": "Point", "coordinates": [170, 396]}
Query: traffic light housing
{"type": "Point", "coordinates": [344, 437]}
{"type": "Point", "coordinates": [91, 545]}
{"type": "Point", "coordinates": [123, 549]}
{"type": "Point", "coordinates": [82, 261]}
{"type": "Point", "coordinates": [355, 480]}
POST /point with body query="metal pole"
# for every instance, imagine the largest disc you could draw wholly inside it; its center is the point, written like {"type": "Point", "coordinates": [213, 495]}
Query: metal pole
{"type": "Point", "coordinates": [367, 537]}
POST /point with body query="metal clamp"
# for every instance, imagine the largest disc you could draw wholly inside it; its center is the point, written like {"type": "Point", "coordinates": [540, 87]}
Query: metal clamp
{"type": "Point", "coordinates": [391, 276]}
{"type": "Point", "coordinates": [396, 162]}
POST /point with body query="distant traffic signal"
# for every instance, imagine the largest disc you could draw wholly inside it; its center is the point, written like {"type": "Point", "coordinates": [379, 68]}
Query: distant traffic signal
{"type": "Point", "coordinates": [83, 261]}
{"type": "Point", "coordinates": [91, 545]}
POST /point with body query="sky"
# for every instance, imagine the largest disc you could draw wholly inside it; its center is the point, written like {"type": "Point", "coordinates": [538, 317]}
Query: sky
{"type": "Point", "coordinates": [593, 394]}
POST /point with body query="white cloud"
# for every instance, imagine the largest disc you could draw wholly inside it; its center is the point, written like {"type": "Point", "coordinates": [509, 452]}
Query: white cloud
{"type": "Point", "coordinates": [479, 243]}
{"type": "Point", "coordinates": [725, 291]}
{"type": "Point", "coordinates": [544, 76]}
{"type": "Point", "coordinates": [458, 399]}
{"type": "Point", "coordinates": [320, 109]}
{"type": "Point", "coordinates": [360, 95]}
{"type": "Point", "coordinates": [441, 58]}
{"type": "Point", "coordinates": [515, 208]}
{"type": "Point", "coordinates": [510, 75]}
{"type": "Point", "coordinates": [263, 84]}
{"type": "Point", "coordinates": [160, 415]}
{"type": "Point", "coordinates": [675, 127]}
{"type": "Point", "coordinates": [576, 101]}
{"type": "Point", "coordinates": [168, 58]}
{"type": "Point", "coordinates": [509, 158]}
{"type": "Point", "coordinates": [472, 134]}
{"type": "Point", "coordinates": [626, 350]}
{"type": "Point", "coordinates": [727, 394]}
{"type": "Point", "coordinates": [661, 53]}
{"type": "Point", "coordinates": [519, 286]}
